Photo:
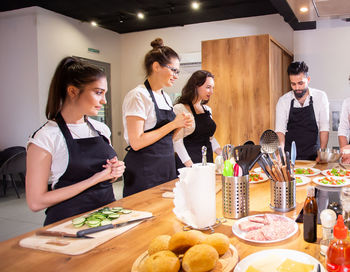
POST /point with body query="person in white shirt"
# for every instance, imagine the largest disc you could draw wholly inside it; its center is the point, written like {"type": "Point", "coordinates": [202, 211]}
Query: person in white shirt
{"type": "Point", "coordinates": [149, 123]}
{"type": "Point", "coordinates": [72, 151]}
{"type": "Point", "coordinates": [344, 130]}
{"type": "Point", "coordinates": [302, 115]}
{"type": "Point", "coordinates": [189, 141]}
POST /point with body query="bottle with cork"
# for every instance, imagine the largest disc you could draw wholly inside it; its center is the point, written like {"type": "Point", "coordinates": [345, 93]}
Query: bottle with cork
{"type": "Point", "coordinates": [338, 253]}
{"type": "Point", "coordinates": [310, 216]}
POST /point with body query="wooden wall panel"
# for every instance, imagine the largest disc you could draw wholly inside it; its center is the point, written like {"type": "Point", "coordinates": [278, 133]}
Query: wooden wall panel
{"type": "Point", "coordinates": [240, 104]}
{"type": "Point", "coordinates": [276, 89]}
{"type": "Point", "coordinates": [286, 60]}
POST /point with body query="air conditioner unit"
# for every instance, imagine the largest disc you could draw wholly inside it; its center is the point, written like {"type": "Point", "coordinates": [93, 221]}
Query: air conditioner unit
{"type": "Point", "coordinates": [190, 59]}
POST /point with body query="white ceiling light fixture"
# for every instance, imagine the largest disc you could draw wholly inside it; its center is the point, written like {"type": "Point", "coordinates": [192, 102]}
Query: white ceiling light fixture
{"type": "Point", "coordinates": [195, 5]}
{"type": "Point", "coordinates": [304, 9]}
{"type": "Point", "coordinates": [93, 23]}
{"type": "Point", "coordinates": [140, 15]}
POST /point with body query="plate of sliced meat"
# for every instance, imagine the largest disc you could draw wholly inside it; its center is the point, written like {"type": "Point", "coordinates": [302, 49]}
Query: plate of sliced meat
{"type": "Point", "coordinates": [265, 228]}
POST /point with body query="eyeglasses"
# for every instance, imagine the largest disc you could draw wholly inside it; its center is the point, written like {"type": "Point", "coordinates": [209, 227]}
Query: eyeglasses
{"type": "Point", "coordinates": [175, 71]}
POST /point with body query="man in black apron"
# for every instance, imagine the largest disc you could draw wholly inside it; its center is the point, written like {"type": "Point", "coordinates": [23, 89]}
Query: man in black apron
{"type": "Point", "coordinates": [153, 164]}
{"type": "Point", "coordinates": [205, 128]}
{"type": "Point", "coordinates": [86, 157]}
{"type": "Point", "coordinates": [302, 126]}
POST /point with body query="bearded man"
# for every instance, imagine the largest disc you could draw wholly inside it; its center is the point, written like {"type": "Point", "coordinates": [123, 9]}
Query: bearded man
{"type": "Point", "coordinates": [302, 115]}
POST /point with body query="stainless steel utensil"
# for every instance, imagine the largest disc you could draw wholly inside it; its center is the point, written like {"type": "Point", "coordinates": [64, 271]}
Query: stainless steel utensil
{"type": "Point", "coordinates": [227, 151]}
{"type": "Point", "coordinates": [204, 155]}
{"type": "Point", "coordinates": [269, 141]}
{"type": "Point", "coordinates": [293, 153]}
{"type": "Point", "coordinates": [327, 155]}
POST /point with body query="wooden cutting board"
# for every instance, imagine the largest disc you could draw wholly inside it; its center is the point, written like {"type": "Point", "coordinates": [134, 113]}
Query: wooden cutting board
{"type": "Point", "coordinates": [74, 246]}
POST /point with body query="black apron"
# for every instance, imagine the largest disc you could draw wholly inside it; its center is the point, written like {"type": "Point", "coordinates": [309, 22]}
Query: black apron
{"type": "Point", "coordinates": [86, 157]}
{"type": "Point", "coordinates": [153, 164]}
{"type": "Point", "coordinates": [205, 128]}
{"type": "Point", "coordinates": [302, 128]}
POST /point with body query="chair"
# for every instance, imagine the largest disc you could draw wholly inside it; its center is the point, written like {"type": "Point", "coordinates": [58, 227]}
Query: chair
{"type": "Point", "coordinates": [12, 162]}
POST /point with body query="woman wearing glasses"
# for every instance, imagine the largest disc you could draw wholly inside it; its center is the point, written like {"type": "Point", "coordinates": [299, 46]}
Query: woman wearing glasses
{"type": "Point", "coordinates": [149, 123]}
{"type": "Point", "coordinates": [189, 141]}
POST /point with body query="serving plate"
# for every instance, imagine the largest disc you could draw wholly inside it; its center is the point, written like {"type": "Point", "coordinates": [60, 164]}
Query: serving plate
{"type": "Point", "coordinates": [277, 256]}
{"type": "Point", "coordinates": [328, 173]}
{"type": "Point", "coordinates": [262, 175]}
{"type": "Point", "coordinates": [304, 180]}
{"type": "Point", "coordinates": [226, 262]}
{"type": "Point", "coordinates": [242, 234]}
{"type": "Point", "coordinates": [318, 181]}
{"type": "Point", "coordinates": [316, 171]}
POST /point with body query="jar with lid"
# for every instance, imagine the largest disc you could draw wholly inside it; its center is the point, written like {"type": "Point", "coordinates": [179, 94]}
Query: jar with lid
{"type": "Point", "coordinates": [328, 218]}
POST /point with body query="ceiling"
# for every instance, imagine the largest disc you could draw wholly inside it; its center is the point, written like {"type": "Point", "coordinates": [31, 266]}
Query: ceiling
{"type": "Point", "coordinates": [121, 15]}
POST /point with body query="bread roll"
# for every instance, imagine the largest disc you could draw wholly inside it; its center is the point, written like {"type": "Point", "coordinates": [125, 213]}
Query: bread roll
{"type": "Point", "coordinates": [183, 240]}
{"type": "Point", "coordinates": [162, 261]}
{"type": "Point", "coordinates": [200, 258]}
{"type": "Point", "coordinates": [219, 241]}
{"type": "Point", "coordinates": [159, 243]}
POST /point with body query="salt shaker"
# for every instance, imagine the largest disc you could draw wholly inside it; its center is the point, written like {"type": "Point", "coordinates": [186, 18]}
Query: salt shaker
{"type": "Point", "coordinates": [328, 219]}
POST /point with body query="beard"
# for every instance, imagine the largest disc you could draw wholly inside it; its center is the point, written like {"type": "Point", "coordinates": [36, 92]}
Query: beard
{"type": "Point", "coordinates": [299, 95]}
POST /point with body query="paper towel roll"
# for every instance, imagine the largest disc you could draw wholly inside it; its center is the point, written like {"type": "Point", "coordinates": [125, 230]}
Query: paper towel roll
{"type": "Point", "coordinates": [195, 196]}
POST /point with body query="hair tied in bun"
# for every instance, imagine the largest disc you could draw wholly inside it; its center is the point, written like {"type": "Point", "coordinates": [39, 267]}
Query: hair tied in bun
{"type": "Point", "coordinates": [157, 43]}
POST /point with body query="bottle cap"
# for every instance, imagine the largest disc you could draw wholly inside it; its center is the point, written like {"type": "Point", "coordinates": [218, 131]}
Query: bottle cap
{"type": "Point", "coordinates": [311, 191]}
{"type": "Point", "coordinates": [328, 218]}
{"type": "Point", "coordinates": [340, 230]}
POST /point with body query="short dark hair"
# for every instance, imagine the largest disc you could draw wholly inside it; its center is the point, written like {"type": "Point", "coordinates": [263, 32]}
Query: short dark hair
{"type": "Point", "coordinates": [160, 53]}
{"type": "Point", "coordinates": [189, 91]}
{"type": "Point", "coordinates": [70, 71]}
{"type": "Point", "coordinates": [297, 67]}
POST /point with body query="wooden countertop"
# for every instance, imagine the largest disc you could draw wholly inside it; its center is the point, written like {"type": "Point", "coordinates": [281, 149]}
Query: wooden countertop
{"type": "Point", "coordinates": [119, 253]}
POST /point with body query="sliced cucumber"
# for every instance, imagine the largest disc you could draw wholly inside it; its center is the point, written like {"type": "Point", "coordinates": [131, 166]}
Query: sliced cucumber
{"type": "Point", "coordinates": [78, 221]}
{"type": "Point", "coordinates": [125, 211]}
{"type": "Point", "coordinates": [116, 209]}
{"type": "Point", "coordinates": [105, 222]}
{"type": "Point", "coordinates": [114, 216]}
{"type": "Point", "coordinates": [79, 225]}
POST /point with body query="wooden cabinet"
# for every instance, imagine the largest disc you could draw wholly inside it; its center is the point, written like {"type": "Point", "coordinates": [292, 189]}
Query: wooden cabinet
{"type": "Point", "coordinates": [250, 76]}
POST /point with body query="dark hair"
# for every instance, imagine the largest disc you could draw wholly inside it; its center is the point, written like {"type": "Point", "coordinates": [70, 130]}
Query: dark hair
{"type": "Point", "coordinates": [295, 68]}
{"type": "Point", "coordinates": [160, 53]}
{"type": "Point", "coordinates": [189, 91]}
{"type": "Point", "coordinates": [70, 71]}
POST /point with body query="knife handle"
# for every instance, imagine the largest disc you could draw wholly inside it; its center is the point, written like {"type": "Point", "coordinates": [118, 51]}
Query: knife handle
{"type": "Point", "coordinates": [93, 230]}
{"type": "Point", "coordinates": [50, 233]}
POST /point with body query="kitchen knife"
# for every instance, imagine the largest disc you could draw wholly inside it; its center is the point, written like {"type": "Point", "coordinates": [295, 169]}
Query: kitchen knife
{"type": "Point", "coordinates": [110, 226]}
{"type": "Point", "coordinates": [280, 151]}
{"type": "Point", "coordinates": [60, 234]}
{"type": "Point", "coordinates": [293, 153]}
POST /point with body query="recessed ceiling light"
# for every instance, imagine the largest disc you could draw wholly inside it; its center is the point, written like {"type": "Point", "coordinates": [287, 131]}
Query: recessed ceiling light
{"type": "Point", "coordinates": [140, 15]}
{"type": "Point", "coordinates": [304, 9]}
{"type": "Point", "coordinates": [195, 5]}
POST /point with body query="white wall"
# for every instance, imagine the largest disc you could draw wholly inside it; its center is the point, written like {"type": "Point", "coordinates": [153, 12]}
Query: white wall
{"type": "Point", "coordinates": [326, 50]}
{"type": "Point", "coordinates": [45, 39]}
{"type": "Point", "coordinates": [19, 107]}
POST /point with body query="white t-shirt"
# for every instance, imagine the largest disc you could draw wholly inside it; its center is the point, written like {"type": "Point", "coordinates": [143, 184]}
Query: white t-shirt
{"type": "Point", "coordinates": [138, 102]}
{"type": "Point", "coordinates": [320, 104]}
{"type": "Point", "coordinates": [179, 146]}
{"type": "Point", "coordinates": [344, 125]}
{"type": "Point", "coordinates": [50, 138]}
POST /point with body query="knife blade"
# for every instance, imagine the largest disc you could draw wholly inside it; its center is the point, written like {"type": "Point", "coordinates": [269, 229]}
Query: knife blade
{"type": "Point", "coordinates": [60, 234]}
{"type": "Point", "coordinates": [110, 226]}
{"type": "Point", "coordinates": [293, 153]}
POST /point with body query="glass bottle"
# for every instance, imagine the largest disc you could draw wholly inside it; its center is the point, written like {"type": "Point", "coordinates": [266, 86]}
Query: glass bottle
{"type": "Point", "coordinates": [338, 253]}
{"type": "Point", "coordinates": [310, 216]}
{"type": "Point", "coordinates": [328, 219]}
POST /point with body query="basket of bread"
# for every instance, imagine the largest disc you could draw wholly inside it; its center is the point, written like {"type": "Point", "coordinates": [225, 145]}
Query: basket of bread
{"type": "Point", "coordinates": [189, 251]}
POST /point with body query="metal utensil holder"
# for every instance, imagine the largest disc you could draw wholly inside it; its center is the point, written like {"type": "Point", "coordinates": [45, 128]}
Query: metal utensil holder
{"type": "Point", "coordinates": [282, 195]}
{"type": "Point", "coordinates": [235, 196]}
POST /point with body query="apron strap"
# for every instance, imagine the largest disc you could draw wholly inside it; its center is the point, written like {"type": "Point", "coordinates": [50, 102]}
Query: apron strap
{"type": "Point", "coordinates": [149, 89]}
{"type": "Point", "coordinates": [64, 129]}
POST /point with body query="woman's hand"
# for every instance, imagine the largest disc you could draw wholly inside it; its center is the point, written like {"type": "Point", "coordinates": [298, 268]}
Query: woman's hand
{"type": "Point", "coordinates": [116, 167]}
{"type": "Point", "coordinates": [183, 120]}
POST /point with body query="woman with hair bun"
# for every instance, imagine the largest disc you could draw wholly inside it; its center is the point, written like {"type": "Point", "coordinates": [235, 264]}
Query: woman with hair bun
{"type": "Point", "coordinates": [72, 151]}
{"type": "Point", "coordinates": [149, 123]}
{"type": "Point", "coordinates": [188, 143]}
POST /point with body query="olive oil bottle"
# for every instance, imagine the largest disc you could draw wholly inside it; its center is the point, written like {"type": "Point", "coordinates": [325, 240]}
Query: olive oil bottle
{"type": "Point", "coordinates": [310, 216]}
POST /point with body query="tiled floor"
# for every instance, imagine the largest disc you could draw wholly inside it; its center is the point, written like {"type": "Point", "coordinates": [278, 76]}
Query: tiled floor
{"type": "Point", "coordinates": [16, 218]}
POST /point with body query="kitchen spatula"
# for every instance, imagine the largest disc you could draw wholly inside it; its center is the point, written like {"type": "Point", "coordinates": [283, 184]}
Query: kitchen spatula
{"type": "Point", "coordinates": [246, 156]}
